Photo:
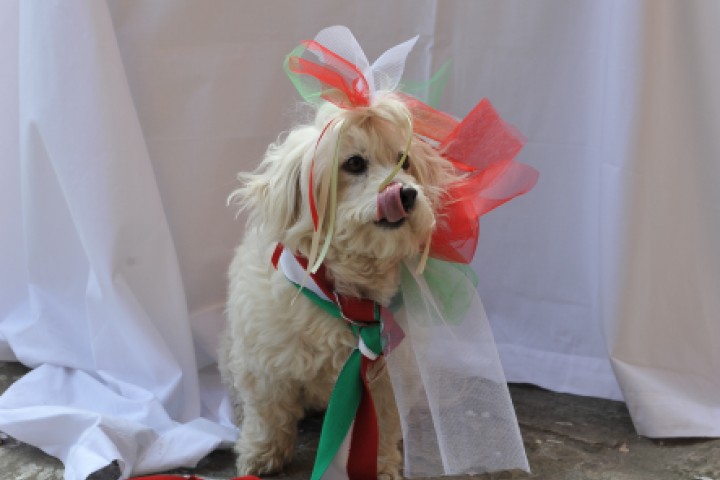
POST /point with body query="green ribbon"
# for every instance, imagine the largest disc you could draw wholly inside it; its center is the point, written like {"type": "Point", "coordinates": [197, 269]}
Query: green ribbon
{"type": "Point", "coordinates": [340, 414]}
{"type": "Point", "coordinates": [346, 394]}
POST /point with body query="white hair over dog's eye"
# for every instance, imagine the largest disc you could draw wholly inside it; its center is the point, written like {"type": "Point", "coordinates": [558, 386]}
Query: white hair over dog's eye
{"type": "Point", "coordinates": [355, 165]}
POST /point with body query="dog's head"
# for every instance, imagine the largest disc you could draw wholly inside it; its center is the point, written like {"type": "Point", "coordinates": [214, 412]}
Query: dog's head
{"type": "Point", "coordinates": [387, 224]}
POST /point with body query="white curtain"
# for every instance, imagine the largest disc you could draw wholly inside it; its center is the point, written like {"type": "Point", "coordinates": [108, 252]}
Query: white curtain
{"type": "Point", "coordinates": [122, 125]}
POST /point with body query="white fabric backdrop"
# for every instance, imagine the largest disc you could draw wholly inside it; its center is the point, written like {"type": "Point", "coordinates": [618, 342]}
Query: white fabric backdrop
{"type": "Point", "coordinates": [133, 117]}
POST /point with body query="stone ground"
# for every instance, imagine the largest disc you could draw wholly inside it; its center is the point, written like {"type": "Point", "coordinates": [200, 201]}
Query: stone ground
{"type": "Point", "coordinates": [567, 437]}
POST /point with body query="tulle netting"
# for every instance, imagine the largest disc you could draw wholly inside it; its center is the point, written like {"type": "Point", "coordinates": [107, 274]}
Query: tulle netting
{"type": "Point", "coordinates": [456, 413]}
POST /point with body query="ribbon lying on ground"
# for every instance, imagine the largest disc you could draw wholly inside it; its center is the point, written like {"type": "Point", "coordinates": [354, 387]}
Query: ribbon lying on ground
{"type": "Point", "coordinates": [182, 477]}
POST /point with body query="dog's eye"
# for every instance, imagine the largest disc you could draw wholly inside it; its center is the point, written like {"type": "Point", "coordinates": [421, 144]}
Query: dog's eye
{"type": "Point", "coordinates": [355, 165]}
{"type": "Point", "coordinates": [406, 165]}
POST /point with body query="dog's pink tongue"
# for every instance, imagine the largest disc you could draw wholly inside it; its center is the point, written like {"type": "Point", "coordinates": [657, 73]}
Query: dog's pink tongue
{"type": "Point", "coordinates": [389, 203]}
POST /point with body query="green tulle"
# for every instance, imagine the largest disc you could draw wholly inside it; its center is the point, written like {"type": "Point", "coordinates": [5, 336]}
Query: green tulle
{"type": "Point", "coordinates": [309, 89]}
{"type": "Point", "coordinates": [429, 91]}
{"type": "Point", "coordinates": [448, 294]}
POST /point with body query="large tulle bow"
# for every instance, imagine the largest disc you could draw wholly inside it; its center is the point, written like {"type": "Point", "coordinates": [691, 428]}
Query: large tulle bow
{"type": "Point", "coordinates": [333, 68]}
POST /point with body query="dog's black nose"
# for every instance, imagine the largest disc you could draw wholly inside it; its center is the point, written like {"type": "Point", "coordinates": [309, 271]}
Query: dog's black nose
{"type": "Point", "coordinates": [407, 197]}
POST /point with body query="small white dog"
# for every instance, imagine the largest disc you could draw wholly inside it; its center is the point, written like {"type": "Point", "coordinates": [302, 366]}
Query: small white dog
{"type": "Point", "coordinates": [281, 354]}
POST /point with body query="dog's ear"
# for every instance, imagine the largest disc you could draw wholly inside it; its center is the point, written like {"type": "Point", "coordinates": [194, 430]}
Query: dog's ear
{"type": "Point", "coordinates": [272, 192]}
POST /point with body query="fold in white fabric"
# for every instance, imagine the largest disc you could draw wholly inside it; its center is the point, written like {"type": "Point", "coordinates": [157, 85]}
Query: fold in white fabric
{"type": "Point", "coordinates": [87, 422]}
{"type": "Point", "coordinates": [105, 320]}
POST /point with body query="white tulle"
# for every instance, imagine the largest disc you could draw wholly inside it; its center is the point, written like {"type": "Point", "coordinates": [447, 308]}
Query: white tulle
{"type": "Point", "coordinates": [384, 74]}
{"type": "Point", "coordinates": [455, 409]}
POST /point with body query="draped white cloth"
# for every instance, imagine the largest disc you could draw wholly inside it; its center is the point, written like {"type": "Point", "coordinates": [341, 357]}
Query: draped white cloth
{"type": "Point", "coordinates": [122, 125]}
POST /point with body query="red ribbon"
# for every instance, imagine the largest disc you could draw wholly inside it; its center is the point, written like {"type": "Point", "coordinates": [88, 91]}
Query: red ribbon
{"type": "Point", "coordinates": [191, 477]}
{"type": "Point", "coordinates": [340, 81]}
{"type": "Point", "coordinates": [362, 461]}
{"type": "Point", "coordinates": [311, 181]}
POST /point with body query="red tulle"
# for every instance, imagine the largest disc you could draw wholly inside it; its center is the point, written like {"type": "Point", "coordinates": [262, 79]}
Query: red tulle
{"type": "Point", "coordinates": [484, 146]}
{"type": "Point", "coordinates": [427, 121]}
{"type": "Point", "coordinates": [340, 82]}
{"type": "Point", "coordinates": [482, 138]}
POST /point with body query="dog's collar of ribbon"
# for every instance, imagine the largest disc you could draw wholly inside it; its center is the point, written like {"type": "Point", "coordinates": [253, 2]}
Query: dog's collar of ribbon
{"type": "Point", "coordinates": [333, 68]}
{"type": "Point", "coordinates": [349, 436]}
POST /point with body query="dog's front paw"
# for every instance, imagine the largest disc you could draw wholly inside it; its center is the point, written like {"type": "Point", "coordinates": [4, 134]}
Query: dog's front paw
{"type": "Point", "coordinates": [262, 457]}
{"type": "Point", "coordinates": [389, 472]}
{"type": "Point", "coordinates": [260, 463]}
{"type": "Point", "coordinates": [390, 462]}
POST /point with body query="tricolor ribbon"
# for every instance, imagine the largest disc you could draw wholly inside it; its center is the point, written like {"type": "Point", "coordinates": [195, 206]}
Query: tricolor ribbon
{"type": "Point", "coordinates": [349, 436]}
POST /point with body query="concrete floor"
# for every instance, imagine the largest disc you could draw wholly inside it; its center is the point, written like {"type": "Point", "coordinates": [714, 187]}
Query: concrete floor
{"type": "Point", "coordinates": [566, 437]}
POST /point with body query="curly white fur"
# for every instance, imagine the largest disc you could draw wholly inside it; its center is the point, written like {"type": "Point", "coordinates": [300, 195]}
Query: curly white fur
{"type": "Point", "coordinates": [280, 358]}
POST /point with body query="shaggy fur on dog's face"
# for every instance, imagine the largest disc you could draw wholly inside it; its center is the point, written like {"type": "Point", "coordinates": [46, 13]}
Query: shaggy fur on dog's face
{"type": "Point", "coordinates": [363, 249]}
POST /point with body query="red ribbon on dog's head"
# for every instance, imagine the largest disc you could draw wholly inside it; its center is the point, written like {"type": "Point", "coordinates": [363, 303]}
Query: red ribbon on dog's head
{"type": "Point", "coordinates": [318, 71]}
